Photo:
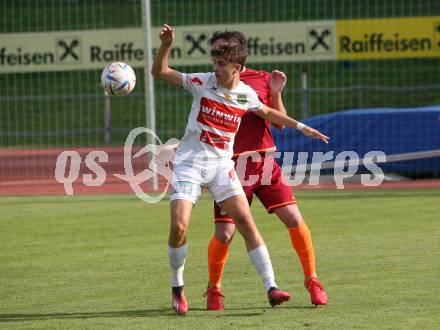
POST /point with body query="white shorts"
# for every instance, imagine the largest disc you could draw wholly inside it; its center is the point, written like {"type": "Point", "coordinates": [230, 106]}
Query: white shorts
{"type": "Point", "coordinates": [219, 177]}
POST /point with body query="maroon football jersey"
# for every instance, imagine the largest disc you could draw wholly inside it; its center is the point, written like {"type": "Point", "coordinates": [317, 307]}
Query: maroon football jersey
{"type": "Point", "coordinates": [254, 133]}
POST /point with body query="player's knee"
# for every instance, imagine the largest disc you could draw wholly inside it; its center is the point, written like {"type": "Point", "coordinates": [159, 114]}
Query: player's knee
{"type": "Point", "coordinates": [245, 222]}
{"type": "Point", "coordinates": [224, 231]}
{"type": "Point", "coordinates": [290, 216]}
{"type": "Point", "coordinates": [178, 230]}
{"type": "Point", "coordinates": [292, 220]}
{"type": "Point", "coordinates": [225, 236]}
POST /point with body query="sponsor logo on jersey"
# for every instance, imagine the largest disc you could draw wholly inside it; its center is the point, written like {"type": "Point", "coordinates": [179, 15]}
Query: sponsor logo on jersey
{"type": "Point", "coordinates": [241, 98]}
{"type": "Point", "coordinates": [183, 187]}
{"type": "Point", "coordinates": [229, 97]}
{"type": "Point", "coordinates": [220, 116]}
{"type": "Point", "coordinates": [215, 140]}
{"type": "Point", "coordinates": [196, 81]}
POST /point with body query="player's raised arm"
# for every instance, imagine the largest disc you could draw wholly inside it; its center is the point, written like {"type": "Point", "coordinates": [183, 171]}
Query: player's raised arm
{"type": "Point", "coordinates": [277, 82]}
{"type": "Point", "coordinates": [278, 118]}
{"type": "Point", "coordinates": [160, 69]}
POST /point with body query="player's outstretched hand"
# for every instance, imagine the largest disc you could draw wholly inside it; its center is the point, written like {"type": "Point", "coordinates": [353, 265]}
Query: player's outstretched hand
{"type": "Point", "coordinates": [277, 81]}
{"type": "Point", "coordinates": [308, 131]}
{"type": "Point", "coordinates": [167, 35]}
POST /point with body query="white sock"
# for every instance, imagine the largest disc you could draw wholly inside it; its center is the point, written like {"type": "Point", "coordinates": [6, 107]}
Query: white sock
{"type": "Point", "coordinates": [176, 257]}
{"type": "Point", "coordinates": [260, 258]}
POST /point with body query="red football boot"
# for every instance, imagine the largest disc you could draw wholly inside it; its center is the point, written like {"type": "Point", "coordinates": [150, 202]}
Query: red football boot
{"type": "Point", "coordinates": [316, 290]}
{"type": "Point", "coordinates": [179, 303]}
{"type": "Point", "coordinates": [214, 300]}
{"type": "Point", "coordinates": [277, 297]}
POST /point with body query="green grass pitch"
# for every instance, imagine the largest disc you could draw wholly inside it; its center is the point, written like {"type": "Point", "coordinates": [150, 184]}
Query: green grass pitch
{"type": "Point", "coordinates": [100, 262]}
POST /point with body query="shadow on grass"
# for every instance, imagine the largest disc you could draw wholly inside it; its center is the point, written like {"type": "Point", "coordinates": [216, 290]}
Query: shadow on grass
{"type": "Point", "coordinates": [159, 312]}
{"type": "Point", "coordinates": [85, 315]}
{"type": "Point", "coordinates": [62, 199]}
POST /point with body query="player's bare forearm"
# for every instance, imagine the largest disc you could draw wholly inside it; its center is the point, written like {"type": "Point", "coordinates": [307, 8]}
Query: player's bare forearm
{"type": "Point", "coordinates": [278, 118]}
{"type": "Point", "coordinates": [160, 68]}
{"type": "Point", "coordinates": [277, 83]}
{"type": "Point", "coordinates": [160, 63]}
{"type": "Point", "coordinates": [277, 104]}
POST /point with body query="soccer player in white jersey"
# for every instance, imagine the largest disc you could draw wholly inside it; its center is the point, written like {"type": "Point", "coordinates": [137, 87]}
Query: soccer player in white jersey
{"type": "Point", "coordinates": [203, 157]}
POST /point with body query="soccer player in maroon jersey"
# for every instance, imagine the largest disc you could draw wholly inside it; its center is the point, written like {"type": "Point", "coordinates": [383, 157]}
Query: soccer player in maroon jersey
{"type": "Point", "coordinates": [254, 137]}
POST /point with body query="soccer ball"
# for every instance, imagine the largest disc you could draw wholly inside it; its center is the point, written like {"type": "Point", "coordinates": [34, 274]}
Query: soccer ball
{"type": "Point", "coordinates": [118, 79]}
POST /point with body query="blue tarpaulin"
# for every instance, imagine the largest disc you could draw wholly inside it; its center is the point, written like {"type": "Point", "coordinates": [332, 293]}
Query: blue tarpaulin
{"type": "Point", "coordinates": [393, 131]}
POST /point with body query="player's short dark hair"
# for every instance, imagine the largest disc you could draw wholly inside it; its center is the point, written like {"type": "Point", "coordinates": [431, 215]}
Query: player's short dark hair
{"type": "Point", "coordinates": [231, 51]}
{"type": "Point", "coordinates": [226, 35]}
{"type": "Point", "coordinates": [233, 47]}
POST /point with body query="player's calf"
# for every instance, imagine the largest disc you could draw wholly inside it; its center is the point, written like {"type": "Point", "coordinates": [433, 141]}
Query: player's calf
{"type": "Point", "coordinates": [180, 215]}
{"type": "Point", "coordinates": [238, 209]}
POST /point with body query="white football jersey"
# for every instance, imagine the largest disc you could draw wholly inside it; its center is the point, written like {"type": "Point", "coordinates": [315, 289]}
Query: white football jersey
{"type": "Point", "coordinates": [215, 117]}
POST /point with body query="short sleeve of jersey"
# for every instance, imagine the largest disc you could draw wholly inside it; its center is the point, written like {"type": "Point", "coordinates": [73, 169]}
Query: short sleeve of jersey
{"type": "Point", "coordinates": [254, 103]}
{"type": "Point", "coordinates": [194, 82]}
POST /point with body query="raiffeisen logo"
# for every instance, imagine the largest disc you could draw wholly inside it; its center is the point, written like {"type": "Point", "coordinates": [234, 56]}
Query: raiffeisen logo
{"type": "Point", "coordinates": [18, 56]}
{"type": "Point", "coordinates": [379, 42]}
{"type": "Point", "coordinates": [67, 50]}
